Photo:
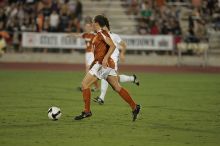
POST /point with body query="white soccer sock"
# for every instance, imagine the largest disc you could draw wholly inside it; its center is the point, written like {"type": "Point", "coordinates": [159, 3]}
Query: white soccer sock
{"type": "Point", "coordinates": [125, 78]}
{"type": "Point", "coordinates": [104, 87]}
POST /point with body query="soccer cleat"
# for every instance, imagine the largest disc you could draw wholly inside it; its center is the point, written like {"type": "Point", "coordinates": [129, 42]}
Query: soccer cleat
{"type": "Point", "coordinates": [83, 115]}
{"type": "Point", "coordinates": [98, 100]}
{"type": "Point", "coordinates": [136, 112]}
{"type": "Point", "coordinates": [136, 81]}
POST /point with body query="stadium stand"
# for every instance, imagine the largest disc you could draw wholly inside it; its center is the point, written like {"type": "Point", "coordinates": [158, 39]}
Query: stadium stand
{"type": "Point", "coordinates": [189, 21]}
{"type": "Point", "coordinates": [38, 16]}
{"type": "Point", "coordinates": [120, 22]}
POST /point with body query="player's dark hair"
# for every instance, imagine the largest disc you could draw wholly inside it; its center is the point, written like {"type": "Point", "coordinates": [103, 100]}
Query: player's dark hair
{"type": "Point", "coordinates": [107, 23]}
{"type": "Point", "coordinates": [100, 19]}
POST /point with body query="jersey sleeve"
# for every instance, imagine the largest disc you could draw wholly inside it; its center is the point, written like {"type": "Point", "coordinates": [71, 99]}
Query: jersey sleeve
{"type": "Point", "coordinates": [118, 38]}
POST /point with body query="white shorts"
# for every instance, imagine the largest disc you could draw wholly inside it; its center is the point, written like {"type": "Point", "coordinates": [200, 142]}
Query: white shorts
{"type": "Point", "coordinates": [89, 58]}
{"type": "Point", "coordinates": [102, 73]}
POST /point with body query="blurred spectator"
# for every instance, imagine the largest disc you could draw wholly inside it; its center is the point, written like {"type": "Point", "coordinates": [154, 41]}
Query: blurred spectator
{"type": "Point", "coordinates": [160, 3]}
{"type": "Point", "coordinates": [40, 21]}
{"type": "Point", "coordinates": [55, 6]}
{"type": "Point", "coordinates": [16, 37]}
{"type": "Point", "coordinates": [32, 25]}
{"type": "Point", "coordinates": [154, 29]}
{"type": "Point", "coordinates": [3, 18]}
{"type": "Point", "coordinates": [46, 11]}
{"type": "Point", "coordinates": [133, 7]}
{"type": "Point", "coordinates": [146, 11]}
{"type": "Point", "coordinates": [64, 21]}
{"type": "Point", "coordinates": [54, 21]}
{"type": "Point", "coordinates": [78, 10]}
{"type": "Point", "coordinates": [190, 22]}
{"type": "Point", "coordinates": [74, 26]}
{"type": "Point", "coordinates": [142, 27]}
{"type": "Point", "coordinates": [210, 6]}
{"type": "Point", "coordinates": [164, 27]}
{"type": "Point", "coordinates": [176, 28]}
{"type": "Point", "coordinates": [20, 13]}
{"type": "Point", "coordinates": [46, 25]}
{"type": "Point", "coordinates": [71, 6]}
{"type": "Point", "coordinates": [197, 3]}
{"type": "Point", "coordinates": [216, 22]}
{"type": "Point", "coordinates": [2, 3]}
{"type": "Point", "coordinates": [64, 7]}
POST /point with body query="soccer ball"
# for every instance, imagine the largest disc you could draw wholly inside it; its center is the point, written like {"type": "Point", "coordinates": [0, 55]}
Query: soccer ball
{"type": "Point", "coordinates": [54, 113]}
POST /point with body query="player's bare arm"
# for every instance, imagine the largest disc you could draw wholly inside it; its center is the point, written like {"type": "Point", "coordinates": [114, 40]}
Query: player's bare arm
{"type": "Point", "coordinates": [123, 50]}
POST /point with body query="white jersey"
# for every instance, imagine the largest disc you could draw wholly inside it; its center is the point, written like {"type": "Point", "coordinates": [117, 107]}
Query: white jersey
{"type": "Point", "coordinates": [116, 40]}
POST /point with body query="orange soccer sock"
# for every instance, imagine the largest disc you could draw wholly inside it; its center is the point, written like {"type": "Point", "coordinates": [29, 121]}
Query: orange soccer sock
{"type": "Point", "coordinates": [86, 98]}
{"type": "Point", "coordinates": [125, 95]}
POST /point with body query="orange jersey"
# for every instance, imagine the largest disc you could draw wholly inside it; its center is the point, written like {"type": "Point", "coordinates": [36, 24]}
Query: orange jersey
{"type": "Point", "coordinates": [88, 37]}
{"type": "Point", "coordinates": [101, 48]}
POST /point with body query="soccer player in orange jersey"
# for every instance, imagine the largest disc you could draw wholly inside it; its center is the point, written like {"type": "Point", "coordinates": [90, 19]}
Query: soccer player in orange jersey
{"type": "Point", "coordinates": [103, 67]}
{"type": "Point", "coordinates": [88, 36]}
{"type": "Point", "coordinates": [116, 56]}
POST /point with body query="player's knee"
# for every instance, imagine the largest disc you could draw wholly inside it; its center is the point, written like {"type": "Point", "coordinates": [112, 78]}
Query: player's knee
{"type": "Point", "coordinates": [116, 88]}
{"type": "Point", "coordinates": [84, 85]}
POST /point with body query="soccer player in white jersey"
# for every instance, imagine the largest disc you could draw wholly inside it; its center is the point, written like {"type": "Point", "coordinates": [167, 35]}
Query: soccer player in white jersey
{"type": "Point", "coordinates": [116, 56]}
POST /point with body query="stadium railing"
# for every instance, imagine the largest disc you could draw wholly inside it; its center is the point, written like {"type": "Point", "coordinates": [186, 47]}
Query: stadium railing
{"type": "Point", "coordinates": [200, 49]}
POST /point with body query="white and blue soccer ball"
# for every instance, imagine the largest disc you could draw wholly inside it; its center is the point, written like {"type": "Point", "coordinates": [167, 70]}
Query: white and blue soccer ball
{"type": "Point", "coordinates": [54, 113]}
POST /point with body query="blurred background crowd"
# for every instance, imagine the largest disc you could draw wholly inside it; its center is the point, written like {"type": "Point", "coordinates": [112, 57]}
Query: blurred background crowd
{"type": "Point", "coordinates": [38, 16]}
{"type": "Point", "coordinates": [152, 16]}
{"type": "Point", "coordinates": [163, 17]}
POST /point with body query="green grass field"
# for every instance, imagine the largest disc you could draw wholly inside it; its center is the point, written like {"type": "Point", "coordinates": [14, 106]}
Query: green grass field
{"type": "Point", "coordinates": [177, 110]}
